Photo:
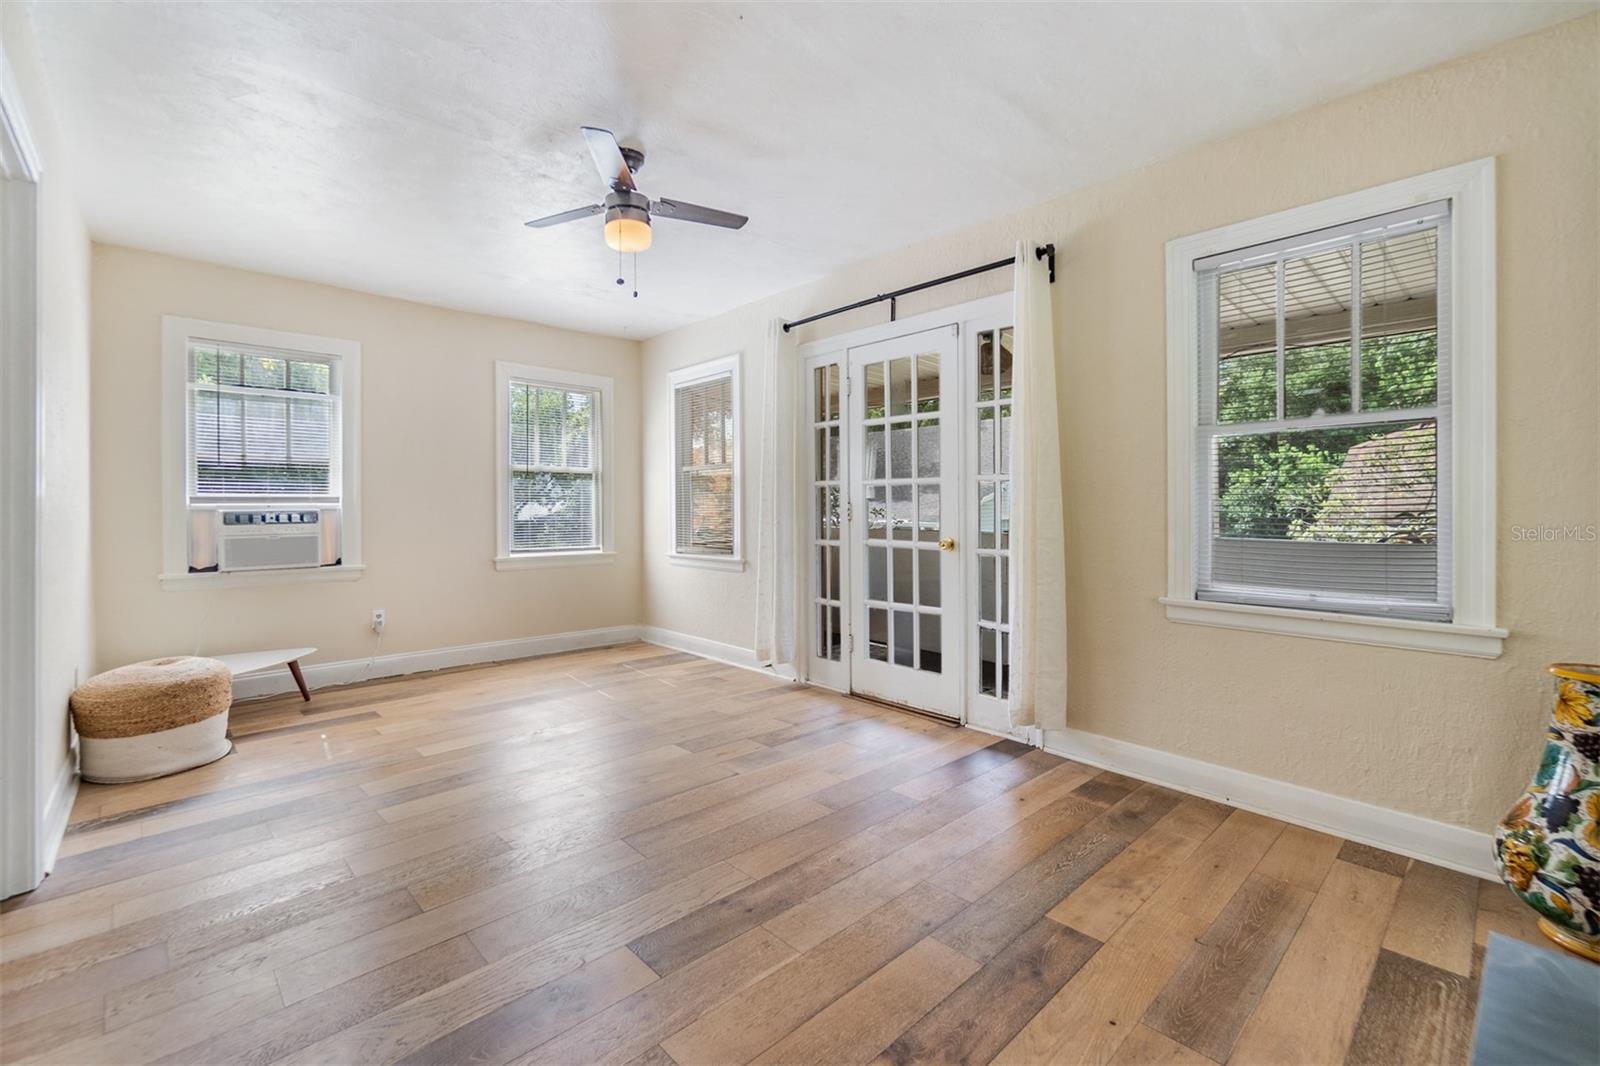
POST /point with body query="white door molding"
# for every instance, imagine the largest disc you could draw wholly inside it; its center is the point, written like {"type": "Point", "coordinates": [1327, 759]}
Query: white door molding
{"type": "Point", "coordinates": [24, 840]}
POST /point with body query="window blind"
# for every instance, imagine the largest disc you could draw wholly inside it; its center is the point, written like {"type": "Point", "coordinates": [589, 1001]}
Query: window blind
{"type": "Point", "coordinates": [555, 467]}
{"type": "Point", "coordinates": [262, 423]}
{"type": "Point", "coordinates": [1324, 420]}
{"type": "Point", "coordinates": [704, 450]}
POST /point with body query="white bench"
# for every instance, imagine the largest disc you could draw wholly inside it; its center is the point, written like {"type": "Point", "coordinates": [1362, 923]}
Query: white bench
{"type": "Point", "coordinates": [250, 662]}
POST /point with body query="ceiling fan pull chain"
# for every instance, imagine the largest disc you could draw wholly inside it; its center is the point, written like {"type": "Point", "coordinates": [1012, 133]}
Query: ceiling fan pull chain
{"type": "Point", "coordinates": [635, 275]}
{"type": "Point", "coordinates": [619, 266]}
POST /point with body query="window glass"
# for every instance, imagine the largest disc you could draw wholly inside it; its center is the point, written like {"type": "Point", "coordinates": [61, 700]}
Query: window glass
{"type": "Point", "coordinates": [1321, 471]}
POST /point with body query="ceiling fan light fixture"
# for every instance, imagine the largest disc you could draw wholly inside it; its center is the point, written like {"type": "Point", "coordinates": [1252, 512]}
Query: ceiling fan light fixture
{"type": "Point", "coordinates": [627, 229]}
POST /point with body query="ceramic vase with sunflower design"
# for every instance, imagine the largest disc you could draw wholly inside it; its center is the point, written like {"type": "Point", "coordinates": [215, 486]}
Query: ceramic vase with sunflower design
{"type": "Point", "coordinates": [1548, 845]}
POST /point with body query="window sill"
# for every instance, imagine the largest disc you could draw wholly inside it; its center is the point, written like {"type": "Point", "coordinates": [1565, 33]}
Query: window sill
{"type": "Point", "coordinates": [707, 562]}
{"type": "Point", "coordinates": [243, 579]}
{"type": "Point", "coordinates": [1446, 638]}
{"type": "Point", "coordinates": [540, 560]}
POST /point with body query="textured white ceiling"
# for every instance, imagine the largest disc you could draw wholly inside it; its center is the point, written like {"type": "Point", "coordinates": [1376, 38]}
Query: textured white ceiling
{"type": "Point", "coordinates": [397, 148]}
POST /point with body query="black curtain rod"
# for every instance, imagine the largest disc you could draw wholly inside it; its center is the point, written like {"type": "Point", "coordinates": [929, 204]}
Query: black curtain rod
{"type": "Point", "coordinates": [1048, 251]}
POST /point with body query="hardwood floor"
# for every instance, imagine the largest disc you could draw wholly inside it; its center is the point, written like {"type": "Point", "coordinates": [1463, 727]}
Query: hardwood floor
{"type": "Point", "coordinates": [632, 855]}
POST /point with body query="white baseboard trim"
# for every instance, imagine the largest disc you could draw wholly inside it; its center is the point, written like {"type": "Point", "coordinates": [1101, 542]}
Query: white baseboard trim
{"type": "Point", "coordinates": [58, 810]}
{"type": "Point", "coordinates": [346, 671]}
{"type": "Point", "coordinates": [731, 654]}
{"type": "Point", "coordinates": [1022, 734]}
{"type": "Point", "coordinates": [1440, 843]}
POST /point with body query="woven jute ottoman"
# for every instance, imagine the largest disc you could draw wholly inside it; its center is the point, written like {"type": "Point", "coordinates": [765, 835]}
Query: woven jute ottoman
{"type": "Point", "coordinates": [153, 718]}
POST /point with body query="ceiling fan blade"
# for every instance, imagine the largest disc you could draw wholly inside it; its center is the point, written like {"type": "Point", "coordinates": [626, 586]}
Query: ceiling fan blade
{"type": "Point", "coordinates": [608, 159]}
{"type": "Point", "coordinates": [565, 216]}
{"type": "Point", "coordinates": [710, 216]}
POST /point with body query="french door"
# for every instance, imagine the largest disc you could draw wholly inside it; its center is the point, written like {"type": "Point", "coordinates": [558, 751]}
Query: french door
{"type": "Point", "coordinates": [910, 513]}
{"type": "Point", "coordinates": [903, 474]}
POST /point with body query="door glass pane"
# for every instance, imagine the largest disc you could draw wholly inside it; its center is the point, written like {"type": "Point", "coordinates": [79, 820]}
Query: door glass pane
{"type": "Point", "coordinates": [900, 449]}
{"type": "Point", "coordinates": [1005, 588]}
{"type": "Point", "coordinates": [819, 402]}
{"type": "Point", "coordinates": [986, 598]}
{"type": "Point", "coordinates": [986, 433]}
{"type": "Point", "coordinates": [903, 577]}
{"type": "Point", "coordinates": [872, 398]}
{"type": "Point", "coordinates": [1003, 685]}
{"type": "Point", "coordinates": [985, 380]}
{"type": "Point", "coordinates": [900, 512]}
{"type": "Point", "coordinates": [1005, 438]}
{"type": "Point", "coordinates": [900, 385]}
{"type": "Point", "coordinates": [874, 458]}
{"type": "Point", "coordinates": [928, 578]}
{"type": "Point", "coordinates": [821, 582]}
{"type": "Point", "coordinates": [987, 672]}
{"type": "Point", "coordinates": [833, 453]}
{"type": "Point", "coordinates": [986, 513]}
{"type": "Point", "coordinates": [928, 524]}
{"type": "Point", "coordinates": [1003, 518]}
{"type": "Point", "coordinates": [927, 383]}
{"type": "Point", "coordinates": [930, 655]}
{"type": "Point", "coordinates": [833, 391]}
{"type": "Point", "coordinates": [836, 635]}
{"type": "Point", "coordinates": [827, 513]}
{"type": "Point", "coordinates": [1004, 372]}
{"type": "Point", "coordinates": [928, 447]}
{"type": "Point", "coordinates": [877, 511]}
{"type": "Point", "coordinates": [878, 634]}
{"type": "Point", "coordinates": [903, 638]}
{"type": "Point", "coordinates": [877, 573]}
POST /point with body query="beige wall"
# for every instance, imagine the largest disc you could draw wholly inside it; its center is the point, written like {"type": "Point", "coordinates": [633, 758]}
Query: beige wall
{"type": "Point", "coordinates": [1444, 737]}
{"type": "Point", "coordinates": [66, 628]}
{"type": "Point", "coordinates": [428, 473]}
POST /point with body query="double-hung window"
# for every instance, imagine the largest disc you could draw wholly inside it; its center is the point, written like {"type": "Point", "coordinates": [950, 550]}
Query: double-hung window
{"type": "Point", "coordinates": [262, 423]}
{"type": "Point", "coordinates": [705, 463]}
{"type": "Point", "coordinates": [1322, 452]}
{"type": "Point", "coordinates": [552, 491]}
{"type": "Point", "coordinates": [260, 447]}
{"type": "Point", "coordinates": [1323, 449]}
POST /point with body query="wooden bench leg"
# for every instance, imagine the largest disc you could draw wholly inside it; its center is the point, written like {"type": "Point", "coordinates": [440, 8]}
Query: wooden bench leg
{"type": "Point", "coordinates": [299, 679]}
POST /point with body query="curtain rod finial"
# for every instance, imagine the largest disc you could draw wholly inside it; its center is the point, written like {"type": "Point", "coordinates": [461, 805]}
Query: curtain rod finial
{"type": "Point", "coordinates": [1047, 251]}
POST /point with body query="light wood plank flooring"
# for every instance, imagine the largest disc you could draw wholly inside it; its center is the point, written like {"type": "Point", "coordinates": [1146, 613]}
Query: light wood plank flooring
{"type": "Point", "coordinates": [632, 855]}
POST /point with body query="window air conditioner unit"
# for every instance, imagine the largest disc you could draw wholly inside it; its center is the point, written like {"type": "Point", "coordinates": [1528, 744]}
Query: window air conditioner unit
{"type": "Point", "coordinates": [268, 540]}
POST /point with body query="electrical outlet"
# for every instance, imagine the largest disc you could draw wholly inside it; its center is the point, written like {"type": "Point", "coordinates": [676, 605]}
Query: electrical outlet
{"type": "Point", "coordinates": [380, 618]}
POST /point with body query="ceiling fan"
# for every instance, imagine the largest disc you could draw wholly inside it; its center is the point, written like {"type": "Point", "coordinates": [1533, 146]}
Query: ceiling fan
{"type": "Point", "coordinates": [628, 210]}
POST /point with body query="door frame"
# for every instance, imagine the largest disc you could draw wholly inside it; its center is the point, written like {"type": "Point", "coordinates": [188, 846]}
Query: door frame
{"type": "Point", "coordinates": [26, 845]}
{"type": "Point", "coordinates": [968, 317]}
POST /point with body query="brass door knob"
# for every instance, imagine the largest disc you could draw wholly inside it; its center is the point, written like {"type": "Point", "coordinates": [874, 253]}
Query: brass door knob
{"type": "Point", "coordinates": [947, 544]}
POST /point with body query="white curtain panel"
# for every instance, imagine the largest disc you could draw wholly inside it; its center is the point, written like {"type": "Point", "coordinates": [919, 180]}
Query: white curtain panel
{"type": "Point", "coordinates": [775, 511]}
{"type": "Point", "coordinates": [1038, 555]}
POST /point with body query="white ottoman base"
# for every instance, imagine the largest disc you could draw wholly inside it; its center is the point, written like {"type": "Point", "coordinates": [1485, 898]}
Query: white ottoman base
{"type": "Point", "coordinates": [118, 760]}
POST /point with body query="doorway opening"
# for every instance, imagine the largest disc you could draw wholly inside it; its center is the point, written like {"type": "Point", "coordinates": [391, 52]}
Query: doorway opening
{"type": "Point", "coordinates": [909, 523]}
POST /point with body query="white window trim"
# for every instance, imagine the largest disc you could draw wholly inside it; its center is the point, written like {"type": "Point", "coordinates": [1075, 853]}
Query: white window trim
{"type": "Point", "coordinates": [506, 559]}
{"type": "Point", "coordinates": [1470, 188]}
{"type": "Point", "coordinates": [676, 379]}
{"type": "Point", "coordinates": [176, 333]}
